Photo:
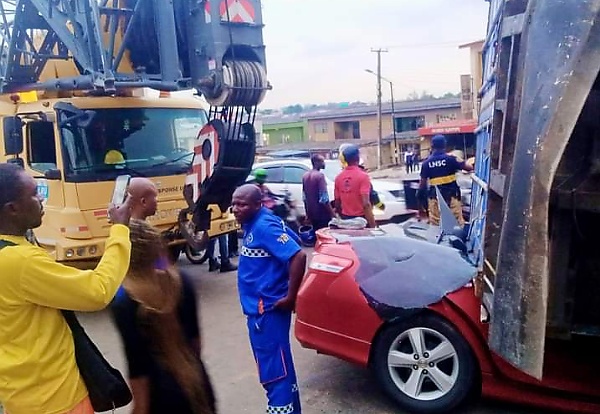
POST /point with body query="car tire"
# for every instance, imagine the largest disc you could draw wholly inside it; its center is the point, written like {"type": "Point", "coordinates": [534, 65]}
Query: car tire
{"type": "Point", "coordinates": [195, 256]}
{"type": "Point", "coordinates": [443, 376]}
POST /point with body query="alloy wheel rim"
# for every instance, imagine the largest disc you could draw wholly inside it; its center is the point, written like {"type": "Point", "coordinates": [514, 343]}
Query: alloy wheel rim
{"type": "Point", "coordinates": [423, 364]}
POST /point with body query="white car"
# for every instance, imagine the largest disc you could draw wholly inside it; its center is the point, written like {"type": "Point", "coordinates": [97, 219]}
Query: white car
{"type": "Point", "coordinates": [286, 174]}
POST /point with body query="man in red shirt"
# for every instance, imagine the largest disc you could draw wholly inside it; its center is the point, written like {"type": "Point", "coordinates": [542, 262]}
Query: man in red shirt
{"type": "Point", "coordinates": [352, 189]}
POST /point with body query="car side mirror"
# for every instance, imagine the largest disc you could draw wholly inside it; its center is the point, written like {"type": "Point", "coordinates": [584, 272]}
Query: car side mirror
{"type": "Point", "coordinates": [13, 135]}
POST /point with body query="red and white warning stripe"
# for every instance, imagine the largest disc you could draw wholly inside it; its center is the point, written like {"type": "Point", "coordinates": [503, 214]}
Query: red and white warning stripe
{"type": "Point", "coordinates": [207, 17]}
{"type": "Point", "coordinates": [203, 168]}
{"type": "Point", "coordinates": [237, 11]}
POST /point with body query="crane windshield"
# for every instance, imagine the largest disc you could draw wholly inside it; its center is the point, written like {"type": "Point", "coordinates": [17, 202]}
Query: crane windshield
{"type": "Point", "coordinates": [139, 141]}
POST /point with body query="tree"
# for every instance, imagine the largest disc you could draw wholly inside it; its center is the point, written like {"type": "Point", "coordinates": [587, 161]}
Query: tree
{"type": "Point", "coordinates": [293, 109]}
{"type": "Point", "coordinates": [451, 95]}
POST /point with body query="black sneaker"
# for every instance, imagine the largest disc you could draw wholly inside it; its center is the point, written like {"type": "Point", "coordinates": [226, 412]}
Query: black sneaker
{"type": "Point", "coordinates": [228, 267]}
{"type": "Point", "coordinates": [213, 264]}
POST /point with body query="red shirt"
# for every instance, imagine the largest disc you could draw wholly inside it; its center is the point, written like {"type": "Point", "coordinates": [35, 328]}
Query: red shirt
{"type": "Point", "coordinates": [350, 185]}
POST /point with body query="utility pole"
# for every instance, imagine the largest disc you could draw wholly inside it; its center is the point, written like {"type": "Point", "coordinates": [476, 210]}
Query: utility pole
{"type": "Point", "coordinates": [396, 152]}
{"type": "Point", "coordinates": [379, 126]}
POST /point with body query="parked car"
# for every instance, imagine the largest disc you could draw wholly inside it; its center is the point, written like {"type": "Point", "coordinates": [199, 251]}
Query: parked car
{"type": "Point", "coordinates": [286, 174]}
{"type": "Point", "coordinates": [406, 308]}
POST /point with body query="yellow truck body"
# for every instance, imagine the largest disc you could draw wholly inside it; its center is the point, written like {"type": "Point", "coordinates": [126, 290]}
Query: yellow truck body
{"type": "Point", "coordinates": [154, 134]}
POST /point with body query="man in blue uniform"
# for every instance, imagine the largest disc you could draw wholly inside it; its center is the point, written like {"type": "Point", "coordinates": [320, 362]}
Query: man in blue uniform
{"type": "Point", "coordinates": [440, 170]}
{"type": "Point", "coordinates": [270, 271]}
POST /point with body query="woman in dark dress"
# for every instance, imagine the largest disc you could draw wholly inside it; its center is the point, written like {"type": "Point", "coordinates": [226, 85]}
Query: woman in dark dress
{"type": "Point", "coordinates": [156, 315]}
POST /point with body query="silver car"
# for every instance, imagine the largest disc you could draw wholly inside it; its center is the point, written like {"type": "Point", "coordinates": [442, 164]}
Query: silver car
{"type": "Point", "coordinates": [286, 174]}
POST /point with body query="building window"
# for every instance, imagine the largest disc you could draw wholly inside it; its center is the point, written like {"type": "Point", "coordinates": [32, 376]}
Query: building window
{"type": "Point", "coordinates": [445, 118]}
{"type": "Point", "coordinates": [321, 128]}
{"type": "Point", "coordinates": [409, 123]}
{"type": "Point", "coordinates": [347, 130]}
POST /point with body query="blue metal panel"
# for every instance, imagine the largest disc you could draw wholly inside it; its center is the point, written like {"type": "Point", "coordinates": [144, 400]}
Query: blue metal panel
{"type": "Point", "coordinates": [479, 190]}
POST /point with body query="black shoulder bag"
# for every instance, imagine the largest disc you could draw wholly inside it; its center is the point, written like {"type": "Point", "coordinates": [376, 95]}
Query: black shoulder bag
{"type": "Point", "coordinates": [106, 386]}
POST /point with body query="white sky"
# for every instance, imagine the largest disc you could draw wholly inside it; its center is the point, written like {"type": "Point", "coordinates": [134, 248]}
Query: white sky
{"type": "Point", "coordinates": [318, 50]}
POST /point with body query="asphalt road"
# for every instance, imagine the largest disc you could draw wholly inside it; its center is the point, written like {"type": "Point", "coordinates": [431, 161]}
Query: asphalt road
{"type": "Point", "coordinates": [327, 385]}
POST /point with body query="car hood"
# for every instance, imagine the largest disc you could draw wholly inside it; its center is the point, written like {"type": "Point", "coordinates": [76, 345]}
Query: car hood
{"type": "Point", "coordinates": [400, 273]}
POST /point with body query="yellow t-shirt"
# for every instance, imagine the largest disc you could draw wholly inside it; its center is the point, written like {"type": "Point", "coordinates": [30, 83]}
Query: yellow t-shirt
{"type": "Point", "coordinates": [38, 374]}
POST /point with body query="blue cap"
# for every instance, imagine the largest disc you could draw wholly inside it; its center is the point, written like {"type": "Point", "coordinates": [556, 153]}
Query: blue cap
{"type": "Point", "coordinates": [438, 142]}
{"type": "Point", "coordinates": [351, 153]}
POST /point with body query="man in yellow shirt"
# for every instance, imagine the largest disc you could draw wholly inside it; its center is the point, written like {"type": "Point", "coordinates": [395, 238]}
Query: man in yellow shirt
{"type": "Point", "coordinates": [38, 373]}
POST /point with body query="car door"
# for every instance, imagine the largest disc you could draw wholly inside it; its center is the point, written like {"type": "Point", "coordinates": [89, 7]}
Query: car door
{"type": "Point", "coordinates": [275, 178]}
{"type": "Point", "coordinates": [292, 179]}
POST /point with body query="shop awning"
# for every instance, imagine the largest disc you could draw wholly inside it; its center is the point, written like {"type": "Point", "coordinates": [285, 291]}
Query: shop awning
{"type": "Point", "coordinates": [463, 126]}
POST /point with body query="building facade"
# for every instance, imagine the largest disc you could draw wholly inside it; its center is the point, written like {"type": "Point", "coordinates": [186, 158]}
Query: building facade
{"type": "Point", "coordinates": [359, 124]}
{"type": "Point", "coordinates": [283, 130]}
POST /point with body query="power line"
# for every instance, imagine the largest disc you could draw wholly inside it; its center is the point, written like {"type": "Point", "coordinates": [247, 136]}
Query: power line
{"type": "Point", "coordinates": [437, 44]}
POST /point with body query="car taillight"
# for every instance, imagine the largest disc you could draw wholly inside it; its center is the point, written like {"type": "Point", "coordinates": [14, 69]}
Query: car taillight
{"type": "Point", "coordinates": [329, 264]}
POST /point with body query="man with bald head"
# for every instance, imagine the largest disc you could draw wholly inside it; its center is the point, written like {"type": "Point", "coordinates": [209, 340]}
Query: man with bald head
{"type": "Point", "coordinates": [144, 198]}
{"type": "Point", "coordinates": [270, 271]}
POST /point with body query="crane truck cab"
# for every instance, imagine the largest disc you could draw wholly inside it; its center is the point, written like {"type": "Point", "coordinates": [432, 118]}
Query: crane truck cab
{"type": "Point", "coordinates": [75, 111]}
{"type": "Point", "coordinates": [76, 147]}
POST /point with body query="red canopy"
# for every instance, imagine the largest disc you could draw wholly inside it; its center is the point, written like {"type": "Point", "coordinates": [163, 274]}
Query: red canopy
{"type": "Point", "coordinates": [462, 126]}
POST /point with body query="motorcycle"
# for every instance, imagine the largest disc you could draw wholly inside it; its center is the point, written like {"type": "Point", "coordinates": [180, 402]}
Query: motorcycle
{"type": "Point", "coordinates": [285, 208]}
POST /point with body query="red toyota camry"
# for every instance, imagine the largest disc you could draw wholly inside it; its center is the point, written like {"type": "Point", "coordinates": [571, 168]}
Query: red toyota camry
{"type": "Point", "coordinates": [399, 301]}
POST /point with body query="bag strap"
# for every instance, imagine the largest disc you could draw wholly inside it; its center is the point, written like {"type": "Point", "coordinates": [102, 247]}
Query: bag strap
{"type": "Point", "coordinates": [6, 243]}
{"type": "Point", "coordinates": [72, 321]}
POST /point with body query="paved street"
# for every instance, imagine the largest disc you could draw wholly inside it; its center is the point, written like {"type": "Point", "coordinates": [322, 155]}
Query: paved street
{"type": "Point", "coordinates": [327, 385]}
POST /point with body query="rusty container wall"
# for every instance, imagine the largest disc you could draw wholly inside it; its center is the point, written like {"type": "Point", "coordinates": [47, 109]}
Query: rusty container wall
{"type": "Point", "coordinates": [558, 63]}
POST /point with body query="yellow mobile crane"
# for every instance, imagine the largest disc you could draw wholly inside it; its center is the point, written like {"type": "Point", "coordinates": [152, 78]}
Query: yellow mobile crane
{"type": "Point", "coordinates": [80, 105]}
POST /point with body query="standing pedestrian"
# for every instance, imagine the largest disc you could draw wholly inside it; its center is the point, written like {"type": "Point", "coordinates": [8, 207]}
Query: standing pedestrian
{"type": "Point", "coordinates": [144, 198]}
{"type": "Point", "coordinates": [407, 160]}
{"type": "Point", "coordinates": [232, 243]}
{"type": "Point", "coordinates": [38, 369]}
{"type": "Point", "coordinates": [353, 189]}
{"type": "Point", "coordinates": [270, 271]}
{"type": "Point", "coordinates": [316, 198]}
{"type": "Point", "coordinates": [224, 265]}
{"type": "Point", "coordinates": [155, 311]}
{"type": "Point", "coordinates": [439, 171]}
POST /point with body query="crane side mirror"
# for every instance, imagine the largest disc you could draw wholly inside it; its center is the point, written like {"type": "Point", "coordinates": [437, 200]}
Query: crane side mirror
{"type": "Point", "coordinates": [53, 174]}
{"type": "Point", "coordinates": [13, 135]}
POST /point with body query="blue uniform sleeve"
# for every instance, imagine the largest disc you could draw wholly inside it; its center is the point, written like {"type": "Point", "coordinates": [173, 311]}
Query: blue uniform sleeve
{"type": "Point", "coordinates": [425, 169]}
{"type": "Point", "coordinates": [276, 240]}
{"type": "Point", "coordinates": [456, 164]}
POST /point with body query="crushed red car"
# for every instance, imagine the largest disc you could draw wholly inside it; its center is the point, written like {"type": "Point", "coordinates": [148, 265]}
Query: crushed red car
{"type": "Point", "coordinates": [390, 300]}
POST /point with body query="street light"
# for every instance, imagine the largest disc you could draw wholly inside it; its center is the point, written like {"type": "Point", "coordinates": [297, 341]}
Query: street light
{"type": "Point", "coordinates": [393, 112]}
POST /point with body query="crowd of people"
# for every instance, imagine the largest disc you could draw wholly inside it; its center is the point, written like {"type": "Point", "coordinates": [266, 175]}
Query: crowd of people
{"type": "Point", "coordinates": [154, 303]}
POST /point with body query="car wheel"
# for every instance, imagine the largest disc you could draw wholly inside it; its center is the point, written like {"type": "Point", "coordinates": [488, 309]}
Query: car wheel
{"type": "Point", "coordinates": [425, 365]}
{"type": "Point", "coordinates": [195, 256]}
